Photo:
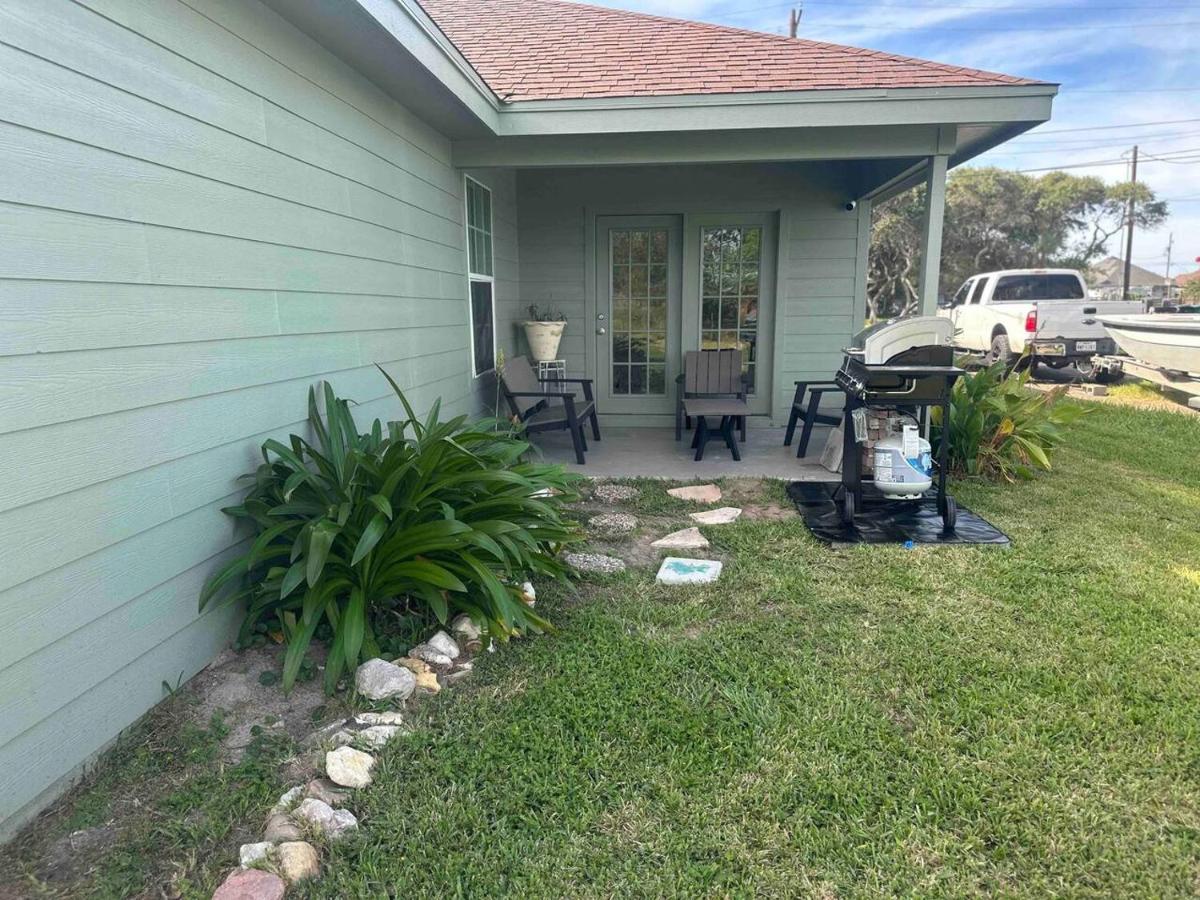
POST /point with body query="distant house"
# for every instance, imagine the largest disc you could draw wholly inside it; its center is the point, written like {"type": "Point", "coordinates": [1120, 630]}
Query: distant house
{"type": "Point", "coordinates": [1106, 280]}
{"type": "Point", "coordinates": [213, 204]}
{"type": "Point", "coordinates": [1187, 278]}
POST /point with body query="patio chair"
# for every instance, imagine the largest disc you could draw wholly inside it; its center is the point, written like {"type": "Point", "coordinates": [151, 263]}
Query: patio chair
{"type": "Point", "coordinates": [541, 408]}
{"type": "Point", "coordinates": [712, 385]}
{"type": "Point", "coordinates": [810, 413]}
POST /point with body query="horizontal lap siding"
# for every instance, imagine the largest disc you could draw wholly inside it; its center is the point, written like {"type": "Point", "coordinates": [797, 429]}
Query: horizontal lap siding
{"type": "Point", "coordinates": [820, 299]}
{"type": "Point", "coordinates": [202, 213]}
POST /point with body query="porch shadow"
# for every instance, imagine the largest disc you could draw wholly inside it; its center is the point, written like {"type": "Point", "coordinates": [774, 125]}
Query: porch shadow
{"type": "Point", "coordinates": [638, 452]}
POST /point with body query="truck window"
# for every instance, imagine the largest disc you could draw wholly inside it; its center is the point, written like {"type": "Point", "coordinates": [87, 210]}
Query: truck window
{"type": "Point", "coordinates": [977, 291]}
{"type": "Point", "coordinates": [1027, 288]}
{"type": "Point", "coordinates": [960, 296]}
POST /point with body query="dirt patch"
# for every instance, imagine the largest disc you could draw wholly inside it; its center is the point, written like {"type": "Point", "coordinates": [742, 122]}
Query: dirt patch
{"type": "Point", "coordinates": [769, 512]}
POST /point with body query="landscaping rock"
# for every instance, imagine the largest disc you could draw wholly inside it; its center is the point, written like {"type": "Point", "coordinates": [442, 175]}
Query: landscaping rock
{"type": "Point", "coordinates": [280, 827]}
{"type": "Point", "coordinates": [333, 823]}
{"type": "Point", "coordinates": [594, 563]}
{"type": "Point", "coordinates": [388, 717]}
{"type": "Point", "coordinates": [688, 571]}
{"type": "Point", "coordinates": [615, 493]}
{"type": "Point", "coordinates": [378, 679]}
{"type": "Point", "coordinates": [687, 539]}
{"type": "Point", "coordinates": [700, 493]}
{"type": "Point", "coordinates": [439, 650]}
{"type": "Point", "coordinates": [377, 736]}
{"type": "Point", "coordinates": [251, 884]}
{"type": "Point", "coordinates": [289, 798]}
{"type": "Point", "coordinates": [528, 594]}
{"type": "Point", "coordinates": [427, 682]}
{"type": "Point", "coordinates": [443, 643]}
{"type": "Point", "coordinates": [416, 666]}
{"type": "Point", "coordinates": [249, 854]}
{"type": "Point", "coordinates": [612, 524]}
{"type": "Point", "coordinates": [327, 792]}
{"type": "Point", "coordinates": [461, 673]}
{"type": "Point", "coordinates": [723, 516]}
{"type": "Point", "coordinates": [298, 861]}
{"type": "Point", "coordinates": [465, 628]}
{"type": "Point", "coordinates": [349, 767]}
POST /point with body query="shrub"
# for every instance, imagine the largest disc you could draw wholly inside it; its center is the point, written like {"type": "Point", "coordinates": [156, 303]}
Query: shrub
{"type": "Point", "coordinates": [1001, 427]}
{"type": "Point", "coordinates": [443, 515]}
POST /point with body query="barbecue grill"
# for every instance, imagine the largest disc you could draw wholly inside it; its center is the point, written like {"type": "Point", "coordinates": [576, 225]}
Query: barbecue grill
{"type": "Point", "coordinates": [905, 366]}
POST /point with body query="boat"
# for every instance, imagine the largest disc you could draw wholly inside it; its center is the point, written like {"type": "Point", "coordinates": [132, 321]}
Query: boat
{"type": "Point", "coordinates": [1170, 341]}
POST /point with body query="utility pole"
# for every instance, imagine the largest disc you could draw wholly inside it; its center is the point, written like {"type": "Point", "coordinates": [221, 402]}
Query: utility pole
{"type": "Point", "coordinates": [794, 20]}
{"type": "Point", "coordinates": [1167, 279]}
{"type": "Point", "coordinates": [1129, 226]}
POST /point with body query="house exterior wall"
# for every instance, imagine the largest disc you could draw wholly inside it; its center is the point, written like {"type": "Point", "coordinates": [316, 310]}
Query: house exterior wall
{"type": "Point", "coordinates": [202, 213]}
{"type": "Point", "coordinates": [821, 283]}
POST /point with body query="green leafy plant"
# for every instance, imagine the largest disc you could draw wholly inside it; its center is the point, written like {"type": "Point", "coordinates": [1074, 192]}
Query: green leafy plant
{"type": "Point", "coordinates": [1001, 427]}
{"type": "Point", "coordinates": [537, 314]}
{"type": "Point", "coordinates": [443, 516]}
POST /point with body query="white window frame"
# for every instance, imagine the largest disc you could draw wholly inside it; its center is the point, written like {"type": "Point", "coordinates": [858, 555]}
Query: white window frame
{"type": "Point", "coordinates": [473, 277]}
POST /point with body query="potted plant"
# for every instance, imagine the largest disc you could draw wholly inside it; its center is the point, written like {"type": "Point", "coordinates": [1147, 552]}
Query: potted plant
{"type": "Point", "coordinates": [543, 331]}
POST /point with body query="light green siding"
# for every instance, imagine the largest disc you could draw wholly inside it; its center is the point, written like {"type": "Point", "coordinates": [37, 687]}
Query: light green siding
{"type": "Point", "coordinates": [822, 249]}
{"type": "Point", "coordinates": [202, 213]}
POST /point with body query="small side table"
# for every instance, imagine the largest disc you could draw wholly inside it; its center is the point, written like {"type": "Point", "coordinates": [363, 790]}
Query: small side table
{"type": "Point", "coordinates": [551, 370]}
{"type": "Point", "coordinates": [727, 410]}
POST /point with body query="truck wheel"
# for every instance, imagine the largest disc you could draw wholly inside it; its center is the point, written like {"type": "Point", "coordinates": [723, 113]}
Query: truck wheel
{"type": "Point", "coordinates": [1000, 350]}
{"type": "Point", "coordinates": [1056, 363]}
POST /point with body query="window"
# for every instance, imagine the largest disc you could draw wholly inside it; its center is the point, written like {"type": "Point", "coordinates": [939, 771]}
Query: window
{"type": "Point", "coordinates": [730, 271]}
{"type": "Point", "coordinates": [480, 276]}
{"type": "Point", "coordinates": [977, 292]}
{"type": "Point", "coordinates": [1038, 287]}
{"type": "Point", "coordinates": [638, 268]}
{"type": "Point", "coordinates": [960, 296]}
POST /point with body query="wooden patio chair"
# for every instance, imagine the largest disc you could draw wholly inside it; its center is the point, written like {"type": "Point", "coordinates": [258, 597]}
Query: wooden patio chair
{"type": "Point", "coordinates": [809, 412]}
{"type": "Point", "coordinates": [716, 376]}
{"type": "Point", "coordinates": [541, 408]}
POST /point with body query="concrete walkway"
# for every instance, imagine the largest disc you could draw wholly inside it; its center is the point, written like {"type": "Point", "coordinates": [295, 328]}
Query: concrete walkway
{"type": "Point", "coordinates": [626, 452]}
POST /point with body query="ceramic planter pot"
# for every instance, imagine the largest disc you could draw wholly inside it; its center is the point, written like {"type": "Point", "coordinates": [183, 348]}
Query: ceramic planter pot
{"type": "Point", "coordinates": [543, 338]}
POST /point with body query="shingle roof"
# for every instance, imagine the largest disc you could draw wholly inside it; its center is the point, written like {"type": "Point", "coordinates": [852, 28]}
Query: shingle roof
{"type": "Point", "coordinates": [553, 50]}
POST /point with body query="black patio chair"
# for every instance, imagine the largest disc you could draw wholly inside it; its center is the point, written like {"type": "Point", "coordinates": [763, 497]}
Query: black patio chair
{"type": "Point", "coordinates": [810, 412]}
{"type": "Point", "coordinates": [545, 409]}
{"type": "Point", "coordinates": [712, 386]}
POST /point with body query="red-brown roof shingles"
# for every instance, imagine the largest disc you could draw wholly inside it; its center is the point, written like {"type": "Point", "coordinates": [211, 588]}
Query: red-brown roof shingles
{"type": "Point", "coordinates": [552, 50]}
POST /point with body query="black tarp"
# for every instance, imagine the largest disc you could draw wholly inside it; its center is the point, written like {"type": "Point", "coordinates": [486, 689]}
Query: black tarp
{"type": "Point", "coordinates": [883, 521]}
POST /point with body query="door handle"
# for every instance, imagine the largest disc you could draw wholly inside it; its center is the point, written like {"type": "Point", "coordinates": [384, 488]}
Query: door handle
{"type": "Point", "coordinates": [601, 331]}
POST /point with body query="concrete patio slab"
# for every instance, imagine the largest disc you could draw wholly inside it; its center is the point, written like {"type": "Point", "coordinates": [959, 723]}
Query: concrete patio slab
{"type": "Point", "coordinates": [629, 452]}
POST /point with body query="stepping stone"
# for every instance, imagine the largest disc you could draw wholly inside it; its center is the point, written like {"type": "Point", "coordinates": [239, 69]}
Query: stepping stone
{"type": "Point", "coordinates": [688, 571]}
{"type": "Point", "coordinates": [594, 563]}
{"type": "Point", "coordinates": [613, 523]}
{"type": "Point", "coordinates": [700, 493]}
{"type": "Point", "coordinates": [615, 493]}
{"type": "Point", "coordinates": [723, 516]}
{"type": "Point", "coordinates": [687, 539]}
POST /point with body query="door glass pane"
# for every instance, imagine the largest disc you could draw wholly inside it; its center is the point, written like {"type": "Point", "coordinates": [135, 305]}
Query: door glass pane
{"type": "Point", "coordinates": [638, 310]}
{"type": "Point", "coordinates": [731, 268]}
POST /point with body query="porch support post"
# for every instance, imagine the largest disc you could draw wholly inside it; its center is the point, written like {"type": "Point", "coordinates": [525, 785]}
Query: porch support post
{"type": "Point", "coordinates": [931, 233]}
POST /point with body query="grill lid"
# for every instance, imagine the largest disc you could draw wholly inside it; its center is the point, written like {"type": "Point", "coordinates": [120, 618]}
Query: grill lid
{"type": "Point", "coordinates": [880, 344]}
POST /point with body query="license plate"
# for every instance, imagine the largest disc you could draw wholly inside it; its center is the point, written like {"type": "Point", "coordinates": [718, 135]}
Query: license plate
{"type": "Point", "coordinates": [1085, 346]}
{"type": "Point", "coordinates": [1051, 349]}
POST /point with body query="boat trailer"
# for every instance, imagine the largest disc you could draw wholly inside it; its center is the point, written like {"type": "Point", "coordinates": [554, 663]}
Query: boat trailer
{"type": "Point", "coordinates": [1116, 365]}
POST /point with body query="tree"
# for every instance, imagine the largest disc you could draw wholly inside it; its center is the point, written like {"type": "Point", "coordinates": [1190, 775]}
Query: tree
{"type": "Point", "coordinates": [997, 219]}
{"type": "Point", "coordinates": [1191, 291]}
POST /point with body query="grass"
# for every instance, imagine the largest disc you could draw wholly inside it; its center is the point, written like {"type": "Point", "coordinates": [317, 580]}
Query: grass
{"type": "Point", "coordinates": [854, 722]}
{"type": "Point", "coordinates": [859, 722]}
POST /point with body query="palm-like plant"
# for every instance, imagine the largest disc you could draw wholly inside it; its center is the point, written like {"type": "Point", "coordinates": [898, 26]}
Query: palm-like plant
{"type": "Point", "coordinates": [444, 513]}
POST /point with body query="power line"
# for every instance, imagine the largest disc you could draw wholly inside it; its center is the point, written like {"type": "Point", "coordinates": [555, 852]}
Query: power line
{"type": "Point", "coordinates": [994, 28]}
{"type": "Point", "coordinates": [1115, 127]}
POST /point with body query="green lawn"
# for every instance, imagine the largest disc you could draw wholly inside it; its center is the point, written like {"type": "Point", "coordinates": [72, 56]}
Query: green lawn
{"type": "Point", "coordinates": [856, 722]}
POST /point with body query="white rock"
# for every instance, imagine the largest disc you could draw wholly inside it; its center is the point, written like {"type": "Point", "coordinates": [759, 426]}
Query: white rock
{"type": "Point", "coordinates": [333, 823]}
{"type": "Point", "coordinates": [528, 594]}
{"type": "Point", "coordinates": [723, 516]}
{"type": "Point", "coordinates": [390, 717]}
{"type": "Point", "coordinates": [425, 653]}
{"type": "Point", "coordinates": [687, 539]}
{"type": "Point", "coordinates": [349, 767]}
{"type": "Point", "coordinates": [700, 493]}
{"type": "Point", "coordinates": [688, 571]}
{"type": "Point", "coordinates": [249, 854]}
{"type": "Point", "coordinates": [298, 861]}
{"type": "Point", "coordinates": [444, 644]}
{"type": "Point", "coordinates": [377, 736]}
{"type": "Point", "coordinates": [378, 679]}
{"type": "Point", "coordinates": [463, 626]}
{"type": "Point", "coordinates": [342, 738]}
{"type": "Point", "coordinates": [288, 799]}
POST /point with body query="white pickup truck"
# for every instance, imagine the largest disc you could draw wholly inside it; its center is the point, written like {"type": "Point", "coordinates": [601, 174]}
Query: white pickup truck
{"type": "Point", "coordinates": [1046, 312]}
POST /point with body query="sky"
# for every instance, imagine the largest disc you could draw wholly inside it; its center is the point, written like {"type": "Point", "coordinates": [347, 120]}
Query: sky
{"type": "Point", "coordinates": [1119, 63]}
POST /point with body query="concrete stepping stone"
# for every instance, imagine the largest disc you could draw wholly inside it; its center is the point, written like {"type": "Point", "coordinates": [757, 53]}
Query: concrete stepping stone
{"type": "Point", "coordinates": [686, 539]}
{"type": "Point", "coordinates": [700, 493]}
{"type": "Point", "coordinates": [688, 571]}
{"type": "Point", "coordinates": [613, 523]}
{"type": "Point", "coordinates": [594, 563]}
{"type": "Point", "coordinates": [615, 493]}
{"type": "Point", "coordinates": [723, 516]}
